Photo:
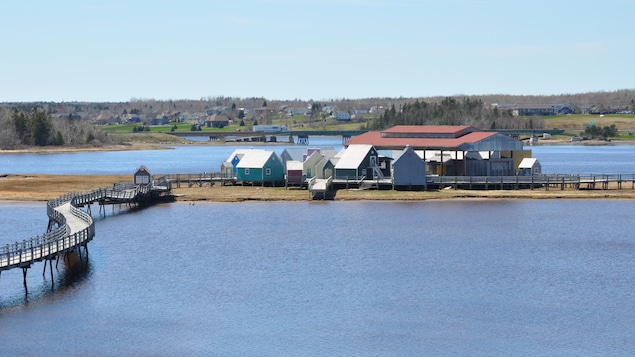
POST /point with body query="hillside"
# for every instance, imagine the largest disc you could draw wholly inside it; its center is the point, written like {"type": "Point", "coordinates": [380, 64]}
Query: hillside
{"type": "Point", "coordinates": [74, 123]}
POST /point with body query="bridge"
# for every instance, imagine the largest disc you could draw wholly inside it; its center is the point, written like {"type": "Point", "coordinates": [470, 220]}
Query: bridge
{"type": "Point", "coordinates": [69, 227]}
{"type": "Point", "coordinates": [261, 136]}
{"type": "Point", "coordinates": [516, 133]}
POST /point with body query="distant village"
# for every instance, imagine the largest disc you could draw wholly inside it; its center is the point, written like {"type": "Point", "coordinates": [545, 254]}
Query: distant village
{"type": "Point", "coordinates": [216, 111]}
{"type": "Point", "coordinates": [221, 116]}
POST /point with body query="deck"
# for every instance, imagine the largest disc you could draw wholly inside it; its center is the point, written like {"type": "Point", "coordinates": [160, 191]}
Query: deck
{"type": "Point", "coordinates": [320, 188]}
{"type": "Point", "coordinates": [69, 226]}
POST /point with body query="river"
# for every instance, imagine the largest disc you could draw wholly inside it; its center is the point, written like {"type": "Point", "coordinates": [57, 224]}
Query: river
{"type": "Point", "coordinates": [439, 278]}
{"type": "Point", "coordinates": [572, 159]}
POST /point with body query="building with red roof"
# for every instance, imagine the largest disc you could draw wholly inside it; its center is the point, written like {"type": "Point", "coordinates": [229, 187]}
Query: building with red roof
{"type": "Point", "coordinates": [450, 150]}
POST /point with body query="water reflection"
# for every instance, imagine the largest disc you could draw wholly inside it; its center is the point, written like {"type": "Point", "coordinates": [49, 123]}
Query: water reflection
{"type": "Point", "coordinates": [68, 273]}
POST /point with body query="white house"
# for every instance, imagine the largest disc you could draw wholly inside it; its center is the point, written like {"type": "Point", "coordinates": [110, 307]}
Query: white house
{"type": "Point", "coordinates": [529, 167]}
{"type": "Point", "coordinates": [343, 116]}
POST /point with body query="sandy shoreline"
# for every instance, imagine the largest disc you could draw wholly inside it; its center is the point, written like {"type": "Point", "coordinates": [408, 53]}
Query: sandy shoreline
{"type": "Point", "coordinates": [38, 187]}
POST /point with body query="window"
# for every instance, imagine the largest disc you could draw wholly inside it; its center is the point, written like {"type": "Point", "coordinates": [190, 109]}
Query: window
{"type": "Point", "coordinates": [247, 171]}
{"type": "Point", "coordinates": [268, 171]}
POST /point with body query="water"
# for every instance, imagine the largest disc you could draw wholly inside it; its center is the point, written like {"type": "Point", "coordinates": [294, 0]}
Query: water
{"type": "Point", "coordinates": [440, 278]}
{"type": "Point", "coordinates": [175, 159]}
{"type": "Point", "coordinates": [583, 159]}
{"type": "Point", "coordinates": [563, 159]}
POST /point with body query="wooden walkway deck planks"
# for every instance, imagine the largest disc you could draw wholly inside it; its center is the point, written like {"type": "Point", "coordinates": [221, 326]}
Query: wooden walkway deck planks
{"type": "Point", "coordinates": [75, 227]}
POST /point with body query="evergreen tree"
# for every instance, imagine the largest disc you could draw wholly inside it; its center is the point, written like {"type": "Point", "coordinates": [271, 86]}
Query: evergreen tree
{"type": "Point", "coordinates": [20, 124]}
{"type": "Point", "coordinates": [40, 128]}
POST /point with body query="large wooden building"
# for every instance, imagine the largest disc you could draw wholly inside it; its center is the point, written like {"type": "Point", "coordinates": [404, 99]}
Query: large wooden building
{"type": "Point", "coordinates": [450, 150]}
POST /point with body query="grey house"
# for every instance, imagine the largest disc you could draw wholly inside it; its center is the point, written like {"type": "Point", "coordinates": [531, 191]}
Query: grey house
{"type": "Point", "coordinates": [409, 170]}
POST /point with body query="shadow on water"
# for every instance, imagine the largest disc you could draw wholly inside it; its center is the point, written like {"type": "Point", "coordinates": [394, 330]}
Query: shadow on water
{"type": "Point", "coordinates": [100, 213]}
{"type": "Point", "coordinates": [69, 272]}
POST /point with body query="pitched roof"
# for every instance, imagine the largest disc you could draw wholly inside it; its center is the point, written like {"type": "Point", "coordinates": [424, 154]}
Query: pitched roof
{"type": "Point", "coordinates": [527, 163]}
{"type": "Point", "coordinates": [295, 153]}
{"type": "Point", "coordinates": [294, 165]}
{"type": "Point", "coordinates": [239, 152]}
{"type": "Point", "coordinates": [255, 158]}
{"type": "Point", "coordinates": [430, 131]}
{"type": "Point", "coordinates": [376, 139]}
{"type": "Point", "coordinates": [353, 156]}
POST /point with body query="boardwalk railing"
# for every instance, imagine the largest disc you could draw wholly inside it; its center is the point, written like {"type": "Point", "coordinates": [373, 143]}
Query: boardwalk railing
{"type": "Point", "coordinates": [61, 239]}
{"type": "Point", "coordinates": [199, 179]}
{"type": "Point", "coordinates": [544, 180]}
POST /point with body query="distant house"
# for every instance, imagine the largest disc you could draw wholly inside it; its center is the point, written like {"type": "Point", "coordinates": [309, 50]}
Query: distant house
{"type": "Point", "coordinates": [217, 110]}
{"type": "Point", "coordinates": [133, 118]}
{"type": "Point", "coordinates": [160, 119]}
{"type": "Point", "coordinates": [563, 109]}
{"type": "Point", "coordinates": [529, 167]}
{"type": "Point", "coordinates": [535, 109]}
{"type": "Point", "coordinates": [104, 119]}
{"type": "Point", "coordinates": [343, 116]}
{"type": "Point", "coordinates": [261, 166]}
{"type": "Point", "coordinates": [294, 111]}
{"type": "Point", "coordinates": [217, 121]}
{"type": "Point", "coordinates": [142, 176]}
{"type": "Point", "coordinates": [409, 170]}
{"type": "Point", "coordinates": [358, 162]}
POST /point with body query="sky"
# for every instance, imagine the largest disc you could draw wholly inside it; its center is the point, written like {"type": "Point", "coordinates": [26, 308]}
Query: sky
{"type": "Point", "coordinates": [118, 50]}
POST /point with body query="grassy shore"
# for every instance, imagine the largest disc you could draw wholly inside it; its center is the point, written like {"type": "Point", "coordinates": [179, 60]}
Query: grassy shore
{"type": "Point", "coordinates": [47, 187]}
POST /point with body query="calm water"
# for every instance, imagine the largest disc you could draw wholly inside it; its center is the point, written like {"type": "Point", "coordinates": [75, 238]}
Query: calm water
{"type": "Point", "coordinates": [175, 159]}
{"type": "Point", "coordinates": [568, 159]}
{"type": "Point", "coordinates": [440, 278]}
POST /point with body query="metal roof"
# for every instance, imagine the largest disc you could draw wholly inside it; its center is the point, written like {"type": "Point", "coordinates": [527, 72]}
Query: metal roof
{"type": "Point", "coordinates": [294, 165]}
{"type": "Point", "coordinates": [375, 138]}
{"type": "Point", "coordinates": [429, 131]}
{"type": "Point", "coordinates": [527, 163]}
{"type": "Point", "coordinates": [255, 158]}
{"type": "Point", "coordinates": [353, 156]}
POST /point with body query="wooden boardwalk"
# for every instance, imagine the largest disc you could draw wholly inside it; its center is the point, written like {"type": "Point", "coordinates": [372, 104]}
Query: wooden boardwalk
{"type": "Point", "coordinates": [70, 228]}
{"type": "Point", "coordinates": [320, 188]}
{"type": "Point", "coordinates": [544, 181]}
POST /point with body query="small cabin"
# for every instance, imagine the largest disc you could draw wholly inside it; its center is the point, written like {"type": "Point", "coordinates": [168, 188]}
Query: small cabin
{"type": "Point", "coordinates": [143, 176]}
{"type": "Point", "coordinates": [529, 167]}
{"type": "Point", "coordinates": [260, 166]}
{"type": "Point", "coordinates": [358, 161]}
{"type": "Point", "coordinates": [409, 170]}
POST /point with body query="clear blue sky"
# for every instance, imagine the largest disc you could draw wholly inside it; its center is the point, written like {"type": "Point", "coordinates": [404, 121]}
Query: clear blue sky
{"type": "Point", "coordinates": [77, 50]}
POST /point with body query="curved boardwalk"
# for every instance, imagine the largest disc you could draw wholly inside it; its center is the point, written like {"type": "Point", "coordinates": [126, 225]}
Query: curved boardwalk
{"type": "Point", "coordinates": [75, 227]}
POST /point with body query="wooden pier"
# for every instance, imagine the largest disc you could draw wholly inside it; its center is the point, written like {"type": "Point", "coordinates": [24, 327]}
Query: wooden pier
{"type": "Point", "coordinates": [320, 188]}
{"type": "Point", "coordinates": [70, 227]}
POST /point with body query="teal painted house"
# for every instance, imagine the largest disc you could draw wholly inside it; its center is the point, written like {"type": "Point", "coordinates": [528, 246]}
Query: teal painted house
{"type": "Point", "coordinates": [260, 166]}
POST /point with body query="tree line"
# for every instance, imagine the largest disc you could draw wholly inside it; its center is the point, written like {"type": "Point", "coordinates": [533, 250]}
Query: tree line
{"type": "Point", "coordinates": [451, 111]}
{"type": "Point", "coordinates": [36, 127]}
